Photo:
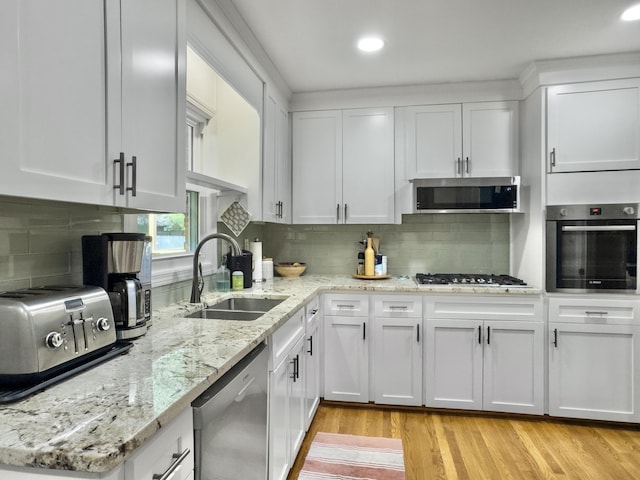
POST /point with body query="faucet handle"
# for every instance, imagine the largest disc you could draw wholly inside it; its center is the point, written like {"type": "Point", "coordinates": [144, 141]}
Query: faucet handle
{"type": "Point", "coordinates": [200, 278]}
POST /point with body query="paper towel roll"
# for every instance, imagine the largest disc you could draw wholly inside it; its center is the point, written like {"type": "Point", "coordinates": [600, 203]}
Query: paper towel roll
{"type": "Point", "coordinates": [256, 250]}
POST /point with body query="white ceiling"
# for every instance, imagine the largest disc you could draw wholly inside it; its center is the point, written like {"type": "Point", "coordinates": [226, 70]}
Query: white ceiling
{"type": "Point", "coordinates": [312, 42]}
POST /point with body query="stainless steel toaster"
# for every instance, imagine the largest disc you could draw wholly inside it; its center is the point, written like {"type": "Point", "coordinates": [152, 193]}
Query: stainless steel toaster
{"type": "Point", "coordinates": [47, 329]}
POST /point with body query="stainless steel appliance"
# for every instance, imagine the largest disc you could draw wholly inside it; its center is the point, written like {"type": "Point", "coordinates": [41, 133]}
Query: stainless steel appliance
{"type": "Point", "coordinates": [50, 333]}
{"type": "Point", "coordinates": [592, 248]}
{"type": "Point", "coordinates": [469, 279]}
{"type": "Point", "coordinates": [230, 422]}
{"type": "Point", "coordinates": [114, 261]}
{"type": "Point", "coordinates": [467, 195]}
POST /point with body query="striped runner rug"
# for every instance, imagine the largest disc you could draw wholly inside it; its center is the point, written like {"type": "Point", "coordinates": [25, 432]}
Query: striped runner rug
{"type": "Point", "coordinates": [335, 456]}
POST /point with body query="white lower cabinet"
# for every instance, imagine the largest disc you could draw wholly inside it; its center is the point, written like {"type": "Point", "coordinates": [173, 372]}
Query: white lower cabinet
{"type": "Point", "coordinates": [478, 364]}
{"type": "Point", "coordinates": [397, 350]}
{"type": "Point", "coordinates": [346, 348]}
{"type": "Point", "coordinates": [286, 396]}
{"type": "Point", "coordinates": [594, 346]}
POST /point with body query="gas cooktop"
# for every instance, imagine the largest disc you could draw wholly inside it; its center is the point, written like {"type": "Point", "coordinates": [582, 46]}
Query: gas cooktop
{"type": "Point", "coordinates": [469, 279]}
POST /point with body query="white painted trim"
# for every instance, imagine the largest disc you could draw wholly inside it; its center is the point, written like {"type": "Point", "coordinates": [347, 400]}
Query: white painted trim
{"type": "Point", "coordinates": [458, 92]}
{"type": "Point", "coordinates": [579, 69]}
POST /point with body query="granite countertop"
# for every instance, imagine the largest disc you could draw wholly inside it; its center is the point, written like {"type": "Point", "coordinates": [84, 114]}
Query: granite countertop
{"type": "Point", "coordinates": [95, 420]}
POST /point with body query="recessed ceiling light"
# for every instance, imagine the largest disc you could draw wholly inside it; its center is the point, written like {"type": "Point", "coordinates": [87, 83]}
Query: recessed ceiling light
{"type": "Point", "coordinates": [631, 13]}
{"type": "Point", "coordinates": [370, 44]}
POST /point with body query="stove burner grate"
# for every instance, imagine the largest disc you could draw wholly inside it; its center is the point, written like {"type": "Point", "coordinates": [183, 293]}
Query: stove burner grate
{"type": "Point", "coordinates": [472, 279]}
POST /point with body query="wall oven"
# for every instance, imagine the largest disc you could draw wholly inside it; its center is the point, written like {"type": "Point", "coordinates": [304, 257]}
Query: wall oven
{"type": "Point", "coordinates": [592, 248]}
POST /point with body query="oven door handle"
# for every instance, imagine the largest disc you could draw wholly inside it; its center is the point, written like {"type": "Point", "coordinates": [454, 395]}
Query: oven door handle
{"type": "Point", "coordinates": [598, 228]}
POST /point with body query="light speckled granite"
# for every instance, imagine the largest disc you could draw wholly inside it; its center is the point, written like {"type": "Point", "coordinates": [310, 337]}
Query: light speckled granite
{"type": "Point", "coordinates": [94, 421]}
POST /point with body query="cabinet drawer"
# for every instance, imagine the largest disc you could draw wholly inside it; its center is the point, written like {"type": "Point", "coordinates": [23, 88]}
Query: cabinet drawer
{"type": "Point", "coordinates": [594, 310]}
{"type": "Point", "coordinates": [285, 337]}
{"type": "Point", "coordinates": [403, 306]}
{"type": "Point", "coordinates": [171, 447]}
{"type": "Point", "coordinates": [507, 307]}
{"type": "Point", "coordinates": [346, 305]}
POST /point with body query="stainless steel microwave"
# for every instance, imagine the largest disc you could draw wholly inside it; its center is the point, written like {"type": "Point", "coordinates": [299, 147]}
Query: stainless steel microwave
{"type": "Point", "coordinates": [467, 195]}
{"type": "Point", "coordinates": [592, 248]}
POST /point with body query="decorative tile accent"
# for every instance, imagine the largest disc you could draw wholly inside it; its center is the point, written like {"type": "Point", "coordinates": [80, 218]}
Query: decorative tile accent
{"type": "Point", "coordinates": [236, 218]}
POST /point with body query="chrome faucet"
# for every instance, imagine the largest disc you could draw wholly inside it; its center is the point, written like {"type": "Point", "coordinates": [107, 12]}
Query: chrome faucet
{"type": "Point", "coordinates": [196, 289]}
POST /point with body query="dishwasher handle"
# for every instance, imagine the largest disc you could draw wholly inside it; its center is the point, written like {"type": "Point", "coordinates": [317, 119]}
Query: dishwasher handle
{"type": "Point", "coordinates": [178, 458]}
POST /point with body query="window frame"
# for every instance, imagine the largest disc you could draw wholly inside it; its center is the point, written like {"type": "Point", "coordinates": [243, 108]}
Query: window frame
{"type": "Point", "coordinates": [170, 268]}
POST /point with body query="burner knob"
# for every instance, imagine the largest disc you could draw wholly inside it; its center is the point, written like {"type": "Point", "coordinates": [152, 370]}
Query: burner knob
{"type": "Point", "coordinates": [628, 210]}
{"type": "Point", "coordinates": [54, 340]}
{"type": "Point", "coordinates": [103, 324]}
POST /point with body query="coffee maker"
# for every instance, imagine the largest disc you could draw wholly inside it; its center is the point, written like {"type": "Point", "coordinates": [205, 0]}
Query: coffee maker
{"type": "Point", "coordinates": [115, 261]}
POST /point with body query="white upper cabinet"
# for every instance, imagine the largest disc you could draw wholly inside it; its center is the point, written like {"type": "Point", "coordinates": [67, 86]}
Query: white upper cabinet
{"type": "Point", "coordinates": [343, 166]}
{"type": "Point", "coordinates": [276, 162]}
{"type": "Point", "coordinates": [461, 140]}
{"type": "Point", "coordinates": [594, 126]}
{"type": "Point", "coordinates": [84, 80]}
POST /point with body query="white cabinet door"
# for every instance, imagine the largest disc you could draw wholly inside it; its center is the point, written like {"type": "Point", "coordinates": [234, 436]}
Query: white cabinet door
{"type": "Point", "coordinates": [433, 140]}
{"type": "Point", "coordinates": [276, 163]}
{"type": "Point", "coordinates": [453, 364]}
{"type": "Point", "coordinates": [343, 166]}
{"type": "Point", "coordinates": [594, 372]}
{"type": "Point", "coordinates": [367, 166]}
{"type": "Point", "coordinates": [279, 420]}
{"type": "Point", "coordinates": [513, 367]}
{"type": "Point", "coordinates": [312, 365]}
{"type": "Point", "coordinates": [346, 359]}
{"type": "Point", "coordinates": [296, 399]}
{"type": "Point", "coordinates": [594, 126]}
{"type": "Point", "coordinates": [397, 360]}
{"type": "Point", "coordinates": [490, 139]}
{"type": "Point", "coordinates": [153, 115]}
{"type": "Point", "coordinates": [53, 114]}
{"type": "Point", "coordinates": [317, 167]}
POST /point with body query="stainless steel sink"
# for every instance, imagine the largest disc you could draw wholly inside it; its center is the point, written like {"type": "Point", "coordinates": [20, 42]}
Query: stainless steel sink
{"type": "Point", "coordinates": [241, 309]}
{"type": "Point", "coordinates": [226, 315]}
{"type": "Point", "coordinates": [247, 304]}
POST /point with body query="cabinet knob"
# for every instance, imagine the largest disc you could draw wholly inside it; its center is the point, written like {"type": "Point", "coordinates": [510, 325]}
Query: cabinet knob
{"type": "Point", "coordinates": [628, 210]}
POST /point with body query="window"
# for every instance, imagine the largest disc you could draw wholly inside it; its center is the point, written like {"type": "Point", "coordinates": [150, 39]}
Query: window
{"type": "Point", "coordinates": [173, 233]}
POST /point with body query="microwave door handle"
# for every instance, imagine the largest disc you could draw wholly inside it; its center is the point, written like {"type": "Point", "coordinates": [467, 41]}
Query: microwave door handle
{"type": "Point", "coordinates": [598, 228]}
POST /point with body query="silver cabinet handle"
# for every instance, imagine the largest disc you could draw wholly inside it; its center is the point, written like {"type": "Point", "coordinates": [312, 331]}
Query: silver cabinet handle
{"type": "Point", "coordinates": [345, 213]}
{"type": "Point", "coordinates": [338, 213]}
{"type": "Point", "coordinates": [398, 307]}
{"type": "Point", "coordinates": [595, 313]}
{"type": "Point", "coordinates": [346, 307]}
{"type": "Point", "coordinates": [134, 171]}
{"type": "Point", "coordinates": [466, 166]}
{"type": "Point", "coordinates": [178, 459]}
{"type": "Point", "coordinates": [119, 161]}
{"type": "Point", "coordinates": [552, 157]}
{"type": "Point", "coordinates": [418, 332]}
{"type": "Point", "coordinates": [458, 171]}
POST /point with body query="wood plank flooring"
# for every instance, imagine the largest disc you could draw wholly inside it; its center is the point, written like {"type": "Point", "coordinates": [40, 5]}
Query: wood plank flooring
{"type": "Point", "coordinates": [444, 445]}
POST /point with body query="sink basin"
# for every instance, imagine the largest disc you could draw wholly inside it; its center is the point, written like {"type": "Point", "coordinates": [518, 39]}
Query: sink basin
{"type": "Point", "coordinates": [241, 309]}
{"type": "Point", "coordinates": [247, 304]}
{"type": "Point", "coordinates": [212, 314]}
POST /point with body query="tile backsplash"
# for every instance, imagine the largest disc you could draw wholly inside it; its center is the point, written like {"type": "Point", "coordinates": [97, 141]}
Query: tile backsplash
{"type": "Point", "coordinates": [40, 244]}
{"type": "Point", "coordinates": [40, 240]}
{"type": "Point", "coordinates": [477, 243]}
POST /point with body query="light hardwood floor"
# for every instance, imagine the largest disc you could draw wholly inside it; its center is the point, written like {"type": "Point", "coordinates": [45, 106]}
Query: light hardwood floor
{"type": "Point", "coordinates": [443, 445]}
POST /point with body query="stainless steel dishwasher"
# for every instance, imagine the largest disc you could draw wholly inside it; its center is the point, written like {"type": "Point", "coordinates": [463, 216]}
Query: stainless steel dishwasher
{"type": "Point", "coordinates": [230, 422]}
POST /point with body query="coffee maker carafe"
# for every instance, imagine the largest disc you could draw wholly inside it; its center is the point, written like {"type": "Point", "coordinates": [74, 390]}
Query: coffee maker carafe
{"type": "Point", "coordinates": [113, 261]}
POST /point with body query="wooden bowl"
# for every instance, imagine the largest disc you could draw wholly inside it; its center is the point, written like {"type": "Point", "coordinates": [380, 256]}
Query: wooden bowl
{"type": "Point", "coordinates": [293, 269]}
